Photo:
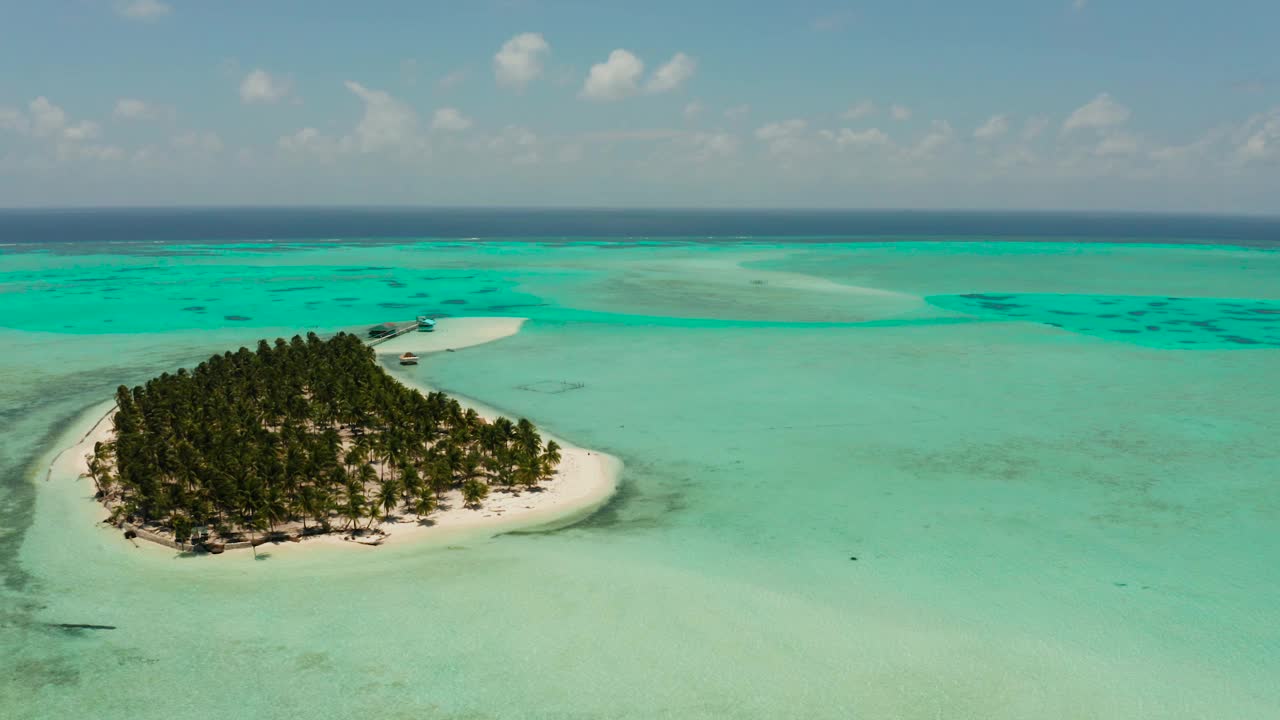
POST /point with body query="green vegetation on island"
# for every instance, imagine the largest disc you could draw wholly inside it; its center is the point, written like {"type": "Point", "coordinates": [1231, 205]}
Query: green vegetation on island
{"type": "Point", "coordinates": [306, 435]}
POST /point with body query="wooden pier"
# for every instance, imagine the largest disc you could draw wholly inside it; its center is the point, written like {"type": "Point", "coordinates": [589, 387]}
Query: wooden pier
{"type": "Point", "coordinates": [400, 330]}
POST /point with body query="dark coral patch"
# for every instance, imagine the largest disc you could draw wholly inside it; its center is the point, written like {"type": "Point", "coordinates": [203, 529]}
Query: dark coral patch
{"type": "Point", "coordinates": [237, 318]}
{"type": "Point", "coordinates": [453, 302]}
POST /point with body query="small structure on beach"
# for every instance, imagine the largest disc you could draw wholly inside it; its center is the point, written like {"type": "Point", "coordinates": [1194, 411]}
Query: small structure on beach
{"type": "Point", "coordinates": [408, 359]}
{"type": "Point", "coordinates": [426, 324]}
{"type": "Point", "coordinates": [382, 330]}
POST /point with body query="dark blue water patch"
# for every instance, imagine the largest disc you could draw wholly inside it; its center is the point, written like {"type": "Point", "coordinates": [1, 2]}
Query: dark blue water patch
{"type": "Point", "coordinates": [297, 289]}
{"type": "Point", "coordinates": [484, 291]}
{"type": "Point", "coordinates": [394, 305]}
{"type": "Point", "coordinates": [453, 302]}
{"type": "Point", "coordinates": [194, 308]}
{"type": "Point", "coordinates": [429, 278]}
{"type": "Point", "coordinates": [1168, 322]}
{"type": "Point", "coordinates": [395, 284]}
{"type": "Point", "coordinates": [347, 299]}
{"type": "Point", "coordinates": [236, 318]}
{"type": "Point", "coordinates": [362, 269]}
{"type": "Point", "coordinates": [420, 295]}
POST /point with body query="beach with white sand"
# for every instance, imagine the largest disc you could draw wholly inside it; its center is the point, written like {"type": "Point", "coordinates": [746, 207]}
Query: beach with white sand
{"type": "Point", "coordinates": [584, 479]}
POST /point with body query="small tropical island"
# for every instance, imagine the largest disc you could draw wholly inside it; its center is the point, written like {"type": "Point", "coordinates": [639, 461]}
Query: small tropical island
{"type": "Point", "coordinates": [298, 438]}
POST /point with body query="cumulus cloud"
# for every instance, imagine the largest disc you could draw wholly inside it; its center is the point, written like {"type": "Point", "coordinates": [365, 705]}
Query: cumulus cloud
{"type": "Point", "coordinates": [1259, 138]}
{"type": "Point", "coordinates": [859, 110]}
{"type": "Point", "coordinates": [450, 119]}
{"type": "Point", "coordinates": [994, 127]}
{"type": "Point", "coordinates": [710, 146]}
{"type": "Point", "coordinates": [1116, 144]}
{"type": "Point", "coordinates": [49, 123]}
{"type": "Point", "coordinates": [783, 137]}
{"type": "Point", "coordinates": [673, 74]}
{"type": "Point", "coordinates": [1099, 113]}
{"type": "Point", "coordinates": [134, 109]}
{"type": "Point", "coordinates": [938, 137]}
{"type": "Point", "coordinates": [615, 78]}
{"type": "Point", "coordinates": [47, 119]}
{"type": "Point", "coordinates": [861, 139]}
{"type": "Point", "coordinates": [387, 122]}
{"type": "Point", "coordinates": [16, 120]}
{"type": "Point", "coordinates": [520, 59]}
{"type": "Point", "coordinates": [196, 141]}
{"type": "Point", "coordinates": [142, 9]}
{"type": "Point", "coordinates": [260, 87]}
{"type": "Point", "coordinates": [900, 112]}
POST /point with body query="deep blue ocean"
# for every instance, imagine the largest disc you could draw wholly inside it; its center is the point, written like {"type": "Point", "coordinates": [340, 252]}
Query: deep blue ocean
{"type": "Point", "coordinates": [202, 225]}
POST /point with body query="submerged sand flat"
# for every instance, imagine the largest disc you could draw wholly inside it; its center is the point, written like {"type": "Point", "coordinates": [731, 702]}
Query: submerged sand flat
{"type": "Point", "coordinates": [584, 480]}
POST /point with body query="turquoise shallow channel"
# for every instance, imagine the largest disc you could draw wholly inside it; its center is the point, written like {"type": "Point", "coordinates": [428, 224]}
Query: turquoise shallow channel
{"type": "Point", "coordinates": [963, 480]}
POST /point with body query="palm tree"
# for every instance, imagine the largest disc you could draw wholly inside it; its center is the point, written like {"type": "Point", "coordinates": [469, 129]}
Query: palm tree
{"type": "Point", "coordinates": [473, 491]}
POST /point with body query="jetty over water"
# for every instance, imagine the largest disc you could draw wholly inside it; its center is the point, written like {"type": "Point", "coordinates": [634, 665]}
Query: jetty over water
{"type": "Point", "coordinates": [379, 334]}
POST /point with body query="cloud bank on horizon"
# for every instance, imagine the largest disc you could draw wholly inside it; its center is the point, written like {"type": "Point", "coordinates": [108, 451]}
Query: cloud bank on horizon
{"type": "Point", "coordinates": [784, 109]}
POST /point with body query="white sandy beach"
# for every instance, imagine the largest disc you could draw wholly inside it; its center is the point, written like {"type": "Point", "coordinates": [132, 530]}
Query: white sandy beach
{"type": "Point", "coordinates": [584, 481]}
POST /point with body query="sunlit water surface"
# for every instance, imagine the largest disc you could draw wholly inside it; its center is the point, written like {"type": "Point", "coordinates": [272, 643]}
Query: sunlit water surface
{"type": "Point", "coordinates": [986, 481]}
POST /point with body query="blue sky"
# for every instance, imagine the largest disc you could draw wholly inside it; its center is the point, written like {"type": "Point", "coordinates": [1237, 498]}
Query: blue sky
{"type": "Point", "coordinates": [1097, 104]}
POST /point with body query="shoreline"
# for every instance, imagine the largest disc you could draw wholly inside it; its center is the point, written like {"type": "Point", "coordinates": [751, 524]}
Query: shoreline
{"type": "Point", "coordinates": [583, 482]}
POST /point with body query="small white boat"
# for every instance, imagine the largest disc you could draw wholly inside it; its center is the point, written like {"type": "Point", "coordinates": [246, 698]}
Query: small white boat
{"type": "Point", "coordinates": [408, 359]}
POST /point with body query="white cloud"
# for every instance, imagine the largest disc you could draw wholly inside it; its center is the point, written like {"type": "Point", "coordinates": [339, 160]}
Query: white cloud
{"type": "Point", "coordinates": [520, 59]}
{"type": "Point", "coordinates": [938, 137]}
{"type": "Point", "coordinates": [450, 119]}
{"type": "Point", "coordinates": [196, 141]}
{"type": "Point", "coordinates": [783, 137]}
{"type": "Point", "coordinates": [81, 131]}
{"type": "Point", "coordinates": [614, 78]}
{"type": "Point", "coordinates": [142, 9]}
{"type": "Point", "coordinates": [260, 86]}
{"type": "Point", "coordinates": [693, 109]}
{"type": "Point", "coordinates": [861, 139]}
{"type": "Point", "coordinates": [47, 119]}
{"type": "Point", "coordinates": [387, 122]}
{"type": "Point", "coordinates": [15, 120]}
{"type": "Point", "coordinates": [1116, 144]}
{"type": "Point", "coordinates": [774, 131]}
{"type": "Point", "coordinates": [672, 75]}
{"type": "Point", "coordinates": [709, 146]}
{"type": "Point", "coordinates": [1259, 138]}
{"type": "Point", "coordinates": [1034, 126]}
{"type": "Point", "coordinates": [900, 112]}
{"type": "Point", "coordinates": [310, 141]}
{"type": "Point", "coordinates": [1099, 113]}
{"type": "Point", "coordinates": [134, 109]}
{"type": "Point", "coordinates": [130, 108]}
{"type": "Point", "coordinates": [859, 110]}
{"type": "Point", "coordinates": [737, 111]}
{"type": "Point", "coordinates": [994, 127]}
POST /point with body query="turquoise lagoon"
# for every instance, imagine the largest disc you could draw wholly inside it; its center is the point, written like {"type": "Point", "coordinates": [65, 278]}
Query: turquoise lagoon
{"type": "Point", "coordinates": [896, 480]}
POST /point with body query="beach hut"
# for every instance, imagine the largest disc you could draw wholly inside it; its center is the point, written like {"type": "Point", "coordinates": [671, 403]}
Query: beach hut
{"type": "Point", "coordinates": [426, 324]}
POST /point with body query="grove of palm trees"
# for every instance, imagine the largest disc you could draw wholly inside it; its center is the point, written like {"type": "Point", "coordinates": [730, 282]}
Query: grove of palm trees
{"type": "Point", "coordinates": [306, 436]}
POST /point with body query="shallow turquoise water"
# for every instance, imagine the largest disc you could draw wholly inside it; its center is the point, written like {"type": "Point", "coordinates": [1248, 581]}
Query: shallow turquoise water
{"type": "Point", "coordinates": [1050, 519]}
